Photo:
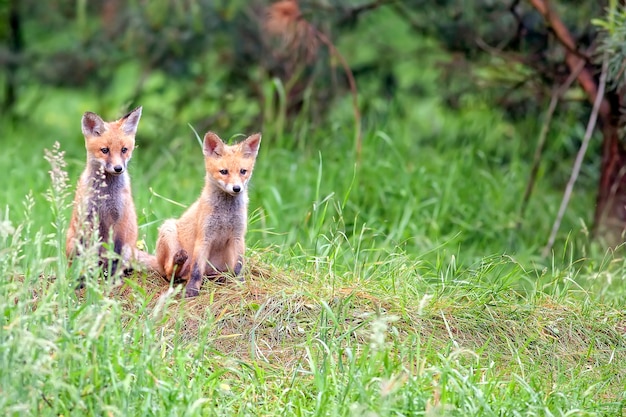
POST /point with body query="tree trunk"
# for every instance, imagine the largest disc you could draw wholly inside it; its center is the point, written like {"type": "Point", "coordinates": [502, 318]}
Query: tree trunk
{"type": "Point", "coordinates": [15, 42]}
{"type": "Point", "coordinates": [610, 214]}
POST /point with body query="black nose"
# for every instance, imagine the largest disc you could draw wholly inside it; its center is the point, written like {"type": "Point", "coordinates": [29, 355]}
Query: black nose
{"type": "Point", "coordinates": [118, 168]}
{"type": "Point", "coordinates": [236, 188]}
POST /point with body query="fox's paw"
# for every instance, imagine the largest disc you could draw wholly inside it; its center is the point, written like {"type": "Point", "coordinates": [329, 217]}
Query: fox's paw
{"type": "Point", "coordinates": [238, 268]}
{"type": "Point", "coordinates": [180, 263]}
{"type": "Point", "coordinates": [181, 257]}
{"type": "Point", "coordinates": [191, 291]}
{"type": "Point", "coordinates": [81, 284]}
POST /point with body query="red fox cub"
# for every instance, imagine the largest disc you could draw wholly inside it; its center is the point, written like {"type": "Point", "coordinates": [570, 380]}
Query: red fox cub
{"type": "Point", "coordinates": [103, 200]}
{"type": "Point", "coordinates": [208, 239]}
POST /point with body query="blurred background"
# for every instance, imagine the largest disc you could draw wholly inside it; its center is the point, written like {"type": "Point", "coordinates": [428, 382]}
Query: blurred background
{"type": "Point", "coordinates": [421, 126]}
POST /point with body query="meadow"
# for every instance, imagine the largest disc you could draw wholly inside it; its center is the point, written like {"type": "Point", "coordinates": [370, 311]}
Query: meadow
{"type": "Point", "coordinates": [392, 283]}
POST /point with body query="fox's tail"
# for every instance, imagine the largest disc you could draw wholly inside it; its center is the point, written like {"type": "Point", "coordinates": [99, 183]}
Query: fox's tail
{"type": "Point", "coordinates": [149, 262]}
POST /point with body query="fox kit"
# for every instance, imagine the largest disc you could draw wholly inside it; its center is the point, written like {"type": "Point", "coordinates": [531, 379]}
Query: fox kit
{"type": "Point", "coordinates": [103, 198]}
{"type": "Point", "coordinates": [208, 239]}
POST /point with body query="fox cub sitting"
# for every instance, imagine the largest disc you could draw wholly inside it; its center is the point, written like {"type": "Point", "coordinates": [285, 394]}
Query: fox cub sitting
{"type": "Point", "coordinates": [208, 239]}
{"type": "Point", "coordinates": [103, 200]}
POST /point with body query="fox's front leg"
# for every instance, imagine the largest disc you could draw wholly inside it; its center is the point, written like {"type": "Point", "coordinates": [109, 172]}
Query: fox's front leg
{"type": "Point", "coordinates": [127, 253]}
{"type": "Point", "coordinates": [124, 243]}
{"type": "Point", "coordinates": [236, 261]}
{"type": "Point", "coordinates": [199, 266]}
{"type": "Point", "coordinates": [123, 255]}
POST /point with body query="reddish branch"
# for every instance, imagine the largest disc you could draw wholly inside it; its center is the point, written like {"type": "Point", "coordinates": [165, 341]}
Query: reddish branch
{"type": "Point", "coordinates": [573, 59]}
{"type": "Point", "coordinates": [285, 20]}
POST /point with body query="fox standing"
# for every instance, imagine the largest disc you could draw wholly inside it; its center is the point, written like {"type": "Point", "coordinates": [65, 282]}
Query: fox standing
{"type": "Point", "coordinates": [103, 193]}
{"type": "Point", "coordinates": [209, 238]}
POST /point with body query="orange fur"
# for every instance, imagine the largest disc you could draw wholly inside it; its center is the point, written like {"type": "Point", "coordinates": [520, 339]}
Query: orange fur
{"type": "Point", "coordinates": [209, 238]}
{"type": "Point", "coordinates": [103, 199]}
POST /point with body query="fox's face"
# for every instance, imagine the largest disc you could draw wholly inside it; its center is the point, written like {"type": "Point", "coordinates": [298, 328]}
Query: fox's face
{"type": "Point", "coordinates": [110, 144]}
{"type": "Point", "coordinates": [230, 167]}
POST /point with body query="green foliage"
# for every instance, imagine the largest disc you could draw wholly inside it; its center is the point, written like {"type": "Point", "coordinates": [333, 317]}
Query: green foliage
{"type": "Point", "coordinates": [612, 43]}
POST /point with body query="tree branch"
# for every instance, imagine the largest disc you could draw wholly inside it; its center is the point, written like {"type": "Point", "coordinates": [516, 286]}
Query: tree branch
{"type": "Point", "coordinates": [352, 14]}
{"type": "Point", "coordinates": [572, 58]}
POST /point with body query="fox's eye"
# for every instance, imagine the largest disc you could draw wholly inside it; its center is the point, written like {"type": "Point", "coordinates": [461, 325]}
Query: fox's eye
{"type": "Point", "coordinates": [105, 150]}
{"type": "Point", "coordinates": [124, 150]}
{"type": "Point", "coordinates": [243, 171]}
{"type": "Point", "coordinates": [224, 171]}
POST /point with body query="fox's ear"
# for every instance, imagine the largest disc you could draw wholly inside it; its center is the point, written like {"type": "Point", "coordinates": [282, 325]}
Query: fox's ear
{"type": "Point", "coordinates": [92, 124]}
{"type": "Point", "coordinates": [251, 145]}
{"type": "Point", "coordinates": [130, 122]}
{"type": "Point", "coordinates": [212, 144]}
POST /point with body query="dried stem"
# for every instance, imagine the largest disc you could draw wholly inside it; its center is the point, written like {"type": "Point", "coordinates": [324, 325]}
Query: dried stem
{"type": "Point", "coordinates": [579, 157]}
{"type": "Point", "coordinates": [556, 96]}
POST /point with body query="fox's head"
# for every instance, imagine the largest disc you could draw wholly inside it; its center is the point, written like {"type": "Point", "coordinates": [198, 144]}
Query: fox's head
{"type": "Point", "coordinates": [110, 144]}
{"type": "Point", "coordinates": [230, 166]}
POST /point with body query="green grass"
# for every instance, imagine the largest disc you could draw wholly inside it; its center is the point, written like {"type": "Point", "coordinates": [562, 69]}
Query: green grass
{"type": "Point", "coordinates": [397, 286]}
{"type": "Point", "coordinates": [311, 338]}
{"type": "Point", "coordinates": [391, 288]}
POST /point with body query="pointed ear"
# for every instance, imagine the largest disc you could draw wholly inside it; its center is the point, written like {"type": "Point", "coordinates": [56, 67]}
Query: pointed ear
{"type": "Point", "coordinates": [251, 145]}
{"type": "Point", "coordinates": [92, 124]}
{"type": "Point", "coordinates": [212, 144]}
{"type": "Point", "coordinates": [130, 122]}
